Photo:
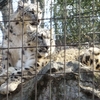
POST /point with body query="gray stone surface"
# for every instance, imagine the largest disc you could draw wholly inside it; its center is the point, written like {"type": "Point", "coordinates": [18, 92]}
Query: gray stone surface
{"type": "Point", "coordinates": [57, 81]}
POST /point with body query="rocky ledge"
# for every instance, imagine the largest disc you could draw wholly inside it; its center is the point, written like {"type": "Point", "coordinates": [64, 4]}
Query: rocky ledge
{"type": "Point", "coordinates": [57, 81]}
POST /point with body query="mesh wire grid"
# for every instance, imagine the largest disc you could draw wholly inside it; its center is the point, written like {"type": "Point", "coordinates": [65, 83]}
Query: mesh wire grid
{"type": "Point", "coordinates": [76, 25]}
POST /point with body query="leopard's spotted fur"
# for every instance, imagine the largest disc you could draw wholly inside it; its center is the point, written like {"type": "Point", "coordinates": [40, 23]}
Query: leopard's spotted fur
{"type": "Point", "coordinates": [24, 47]}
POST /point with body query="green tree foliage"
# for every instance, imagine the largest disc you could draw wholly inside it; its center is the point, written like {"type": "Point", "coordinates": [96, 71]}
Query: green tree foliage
{"type": "Point", "coordinates": [77, 20]}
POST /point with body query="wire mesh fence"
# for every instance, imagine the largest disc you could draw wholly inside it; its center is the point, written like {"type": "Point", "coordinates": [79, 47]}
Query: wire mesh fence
{"type": "Point", "coordinates": [41, 47]}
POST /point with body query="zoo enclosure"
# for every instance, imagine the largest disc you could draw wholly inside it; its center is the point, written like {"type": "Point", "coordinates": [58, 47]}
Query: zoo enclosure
{"type": "Point", "coordinates": [75, 22]}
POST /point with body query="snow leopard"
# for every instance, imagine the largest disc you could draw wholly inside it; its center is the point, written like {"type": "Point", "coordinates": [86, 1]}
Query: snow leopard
{"type": "Point", "coordinates": [14, 37]}
{"type": "Point", "coordinates": [40, 45]}
{"type": "Point", "coordinates": [26, 46]}
{"type": "Point", "coordinates": [91, 58]}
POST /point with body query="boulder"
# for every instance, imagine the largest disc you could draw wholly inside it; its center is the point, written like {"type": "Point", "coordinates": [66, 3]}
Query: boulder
{"type": "Point", "coordinates": [58, 81]}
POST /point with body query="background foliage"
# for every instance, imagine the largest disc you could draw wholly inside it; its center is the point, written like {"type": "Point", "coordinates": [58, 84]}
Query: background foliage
{"type": "Point", "coordinates": [74, 21]}
{"type": "Point", "coordinates": [79, 20]}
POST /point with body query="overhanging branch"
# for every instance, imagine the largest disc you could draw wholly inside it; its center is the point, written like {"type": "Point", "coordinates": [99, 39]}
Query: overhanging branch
{"type": "Point", "coordinates": [2, 27]}
{"type": "Point", "coordinates": [3, 3]}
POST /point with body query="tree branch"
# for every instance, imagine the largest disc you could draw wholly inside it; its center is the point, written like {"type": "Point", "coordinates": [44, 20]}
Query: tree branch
{"type": "Point", "coordinates": [3, 3]}
{"type": "Point", "coordinates": [2, 27]}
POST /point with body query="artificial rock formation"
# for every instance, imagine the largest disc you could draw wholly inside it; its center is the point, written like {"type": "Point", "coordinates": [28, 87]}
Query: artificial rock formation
{"type": "Point", "coordinates": [58, 81]}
